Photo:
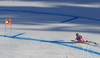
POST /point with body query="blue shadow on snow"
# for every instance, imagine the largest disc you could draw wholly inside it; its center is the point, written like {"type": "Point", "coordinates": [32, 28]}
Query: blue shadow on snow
{"type": "Point", "coordinates": [54, 42]}
{"type": "Point", "coordinates": [75, 17]}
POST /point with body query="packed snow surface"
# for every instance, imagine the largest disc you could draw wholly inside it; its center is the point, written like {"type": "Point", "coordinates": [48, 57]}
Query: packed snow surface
{"type": "Point", "coordinates": [44, 29]}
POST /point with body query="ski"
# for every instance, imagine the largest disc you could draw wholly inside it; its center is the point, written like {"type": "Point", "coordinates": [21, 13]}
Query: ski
{"type": "Point", "coordinates": [87, 42]}
{"type": "Point", "coordinates": [92, 42]}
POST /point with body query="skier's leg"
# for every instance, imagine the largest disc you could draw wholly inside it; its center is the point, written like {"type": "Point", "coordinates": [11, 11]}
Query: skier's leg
{"type": "Point", "coordinates": [82, 40]}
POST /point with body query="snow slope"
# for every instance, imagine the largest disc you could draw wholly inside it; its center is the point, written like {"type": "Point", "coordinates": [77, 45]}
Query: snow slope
{"type": "Point", "coordinates": [45, 32]}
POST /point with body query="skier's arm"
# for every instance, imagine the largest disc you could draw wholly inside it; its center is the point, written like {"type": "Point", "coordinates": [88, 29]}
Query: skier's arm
{"type": "Point", "coordinates": [75, 39]}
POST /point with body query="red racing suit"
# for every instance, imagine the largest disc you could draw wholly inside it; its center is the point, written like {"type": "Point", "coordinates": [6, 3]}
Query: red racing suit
{"type": "Point", "coordinates": [80, 39]}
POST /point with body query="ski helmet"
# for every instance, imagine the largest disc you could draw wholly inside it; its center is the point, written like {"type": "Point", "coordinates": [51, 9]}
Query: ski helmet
{"type": "Point", "coordinates": [77, 34]}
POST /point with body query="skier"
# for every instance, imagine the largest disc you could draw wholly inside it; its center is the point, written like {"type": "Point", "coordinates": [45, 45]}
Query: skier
{"type": "Point", "coordinates": [79, 38]}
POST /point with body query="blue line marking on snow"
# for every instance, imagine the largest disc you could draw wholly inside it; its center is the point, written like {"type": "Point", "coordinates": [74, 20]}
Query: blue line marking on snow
{"type": "Point", "coordinates": [54, 42]}
{"type": "Point", "coordinates": [50, 14]}
{"type": "Point", "coordinates": [69, 20]}
{"type": "Point", "coordinates": [17, 35]}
